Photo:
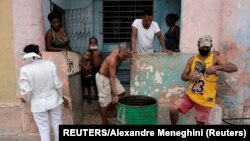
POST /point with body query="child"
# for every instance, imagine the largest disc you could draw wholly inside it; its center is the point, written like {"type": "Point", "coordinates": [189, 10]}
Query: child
{"type": "Point", "coordinates": [85, 63]}
{"type": "Point", "coordinates": [96, 61]}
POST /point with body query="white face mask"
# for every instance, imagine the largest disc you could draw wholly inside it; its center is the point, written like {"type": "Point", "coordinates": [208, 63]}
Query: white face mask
{"type": "Point", "coordinates": [30, 57]}
{"type": "Point", "coordinates": [93, 47]}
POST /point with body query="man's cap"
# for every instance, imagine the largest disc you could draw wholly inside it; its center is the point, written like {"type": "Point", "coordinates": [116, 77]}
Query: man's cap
{"type": "Point", "coordinates": [205, 40]}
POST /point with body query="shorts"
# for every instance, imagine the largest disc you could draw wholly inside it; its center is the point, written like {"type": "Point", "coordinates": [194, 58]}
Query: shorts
{"type": "Point", "coordinates": [104, 89]}
{"type": "Point", "coordinates": [94, 71]}
{"type": "Point", "coordinates": [201, 113]}
{"type": "Point", "coordinates": [86, 81]}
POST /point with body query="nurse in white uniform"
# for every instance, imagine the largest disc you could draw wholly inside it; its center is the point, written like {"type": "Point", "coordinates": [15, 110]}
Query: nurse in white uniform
{"type": "Point", "coordinates": [39, 81]}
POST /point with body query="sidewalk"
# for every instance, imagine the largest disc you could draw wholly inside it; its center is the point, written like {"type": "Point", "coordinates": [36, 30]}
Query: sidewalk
{"type": "Point", "coordinates": [92, 111]}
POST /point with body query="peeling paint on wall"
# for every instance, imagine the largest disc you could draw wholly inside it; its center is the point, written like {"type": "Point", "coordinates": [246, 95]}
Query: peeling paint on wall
{"type": "Point", "coordinates": [161, 75]}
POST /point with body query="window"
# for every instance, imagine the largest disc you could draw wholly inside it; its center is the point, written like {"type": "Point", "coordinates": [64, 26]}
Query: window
{"type": "Point", "coordinates": [118, 16]}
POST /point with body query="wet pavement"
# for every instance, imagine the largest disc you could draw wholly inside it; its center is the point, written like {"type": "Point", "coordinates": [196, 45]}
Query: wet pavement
{"type": "Point", "coordinates": [92, 111]}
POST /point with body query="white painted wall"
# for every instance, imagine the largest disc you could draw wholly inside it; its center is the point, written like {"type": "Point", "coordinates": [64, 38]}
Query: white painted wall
{"type": "Point", "coordinates": [200, 19]}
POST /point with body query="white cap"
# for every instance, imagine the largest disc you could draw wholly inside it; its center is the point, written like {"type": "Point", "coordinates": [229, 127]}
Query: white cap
{"type": "Point", "coordinates": [205, 40]}
{"type": "Point", "coordinates": [31, 55]}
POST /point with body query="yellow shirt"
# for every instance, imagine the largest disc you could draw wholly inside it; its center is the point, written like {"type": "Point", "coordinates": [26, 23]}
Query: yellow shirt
{"type": "Point", "coordinates": [203, 91]}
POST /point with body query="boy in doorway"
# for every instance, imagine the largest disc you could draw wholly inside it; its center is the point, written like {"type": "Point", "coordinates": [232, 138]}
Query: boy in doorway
{"type": "Point", "coordinates": [85, 63]}
{"type": "Point", "coordinates": [96, 61]}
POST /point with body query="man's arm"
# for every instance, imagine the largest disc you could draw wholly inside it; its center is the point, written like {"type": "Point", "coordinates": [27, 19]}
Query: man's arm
{"type": "Point", "coordinates": [24, 87]}
{"type": "Point", "coordinates": [134, 32]}
{"type": "Point", "coordinates": [162, 41]}
{"type": "Point", "coordinates": [221, 65]}
{"type": "Point", "coordinates": [186, 76]}
{"type": "Point", "coordinates": [112, 76]}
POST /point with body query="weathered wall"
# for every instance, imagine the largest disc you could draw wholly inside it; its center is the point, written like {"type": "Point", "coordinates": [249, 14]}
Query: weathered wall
{"type": "Point", "coordinates": [199, 17]}
{"type": "Point", "coordinates": [235, 46]}
{"type": "Point", "coordinates": [28, 27]}
{"type": "Point", "coordinates": [7, 68]}
{"type": "Point", "coordinates": [156, 74]}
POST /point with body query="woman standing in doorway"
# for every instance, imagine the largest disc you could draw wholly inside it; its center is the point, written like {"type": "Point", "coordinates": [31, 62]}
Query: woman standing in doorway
{"type": "Point", "coordinates": [56, 38]}
{"type": "Point", "coordinates": [172, 37]}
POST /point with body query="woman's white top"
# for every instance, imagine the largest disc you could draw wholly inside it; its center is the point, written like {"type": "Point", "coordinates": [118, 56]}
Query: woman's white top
{"type": "Point", "coordinates": [39, 81]}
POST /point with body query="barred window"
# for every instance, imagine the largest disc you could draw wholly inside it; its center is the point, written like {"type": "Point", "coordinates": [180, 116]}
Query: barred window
{"type": "Point", "coordinates": [118, 16]}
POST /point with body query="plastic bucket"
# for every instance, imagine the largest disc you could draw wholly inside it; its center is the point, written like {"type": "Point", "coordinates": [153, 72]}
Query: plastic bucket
{"type": "Point", "coordinates": [137, 110]}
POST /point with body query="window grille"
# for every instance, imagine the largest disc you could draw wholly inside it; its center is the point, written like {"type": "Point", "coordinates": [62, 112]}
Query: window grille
{"type": "Point", "coordinates": [118, 16]}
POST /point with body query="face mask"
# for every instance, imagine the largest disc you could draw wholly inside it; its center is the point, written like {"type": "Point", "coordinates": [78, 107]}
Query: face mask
{"type": "Point", "coordinates": [93, 47]}
{"type": "Point", "coordinates": [30, 57]}
{"type": "Point", "coordinates": [204, 52]}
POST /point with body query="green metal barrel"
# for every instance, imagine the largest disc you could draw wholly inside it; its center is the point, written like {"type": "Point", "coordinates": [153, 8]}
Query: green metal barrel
{"type": "Point", "coordinates": [137, 110]}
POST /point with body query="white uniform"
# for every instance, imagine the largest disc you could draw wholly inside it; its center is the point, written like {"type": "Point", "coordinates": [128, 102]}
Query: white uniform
{"type": "Point", "coordinates": [145, 37]}
{"type": "Point", "coordinates": [39, 81]}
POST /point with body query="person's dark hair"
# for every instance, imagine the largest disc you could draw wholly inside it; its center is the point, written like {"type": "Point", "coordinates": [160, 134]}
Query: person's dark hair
{"type": "Point", "coordinates": [175, 17]}
{"type": "Point", "coordinates": [31, 48]}
{"type": "Point", "coordinates": [53, 15]}
{"type": "Point", "coordinates": [94, 39]}
{"type": "Point", "coordinates": [90, 51]}
{"type": "Point", "coordinates": [147, 12]}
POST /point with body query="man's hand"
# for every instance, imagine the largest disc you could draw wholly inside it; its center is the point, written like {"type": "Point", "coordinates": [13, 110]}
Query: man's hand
{"type": "Point", "coordinates": [167, 51]}
{"type": "Point", "coordinates": [115, 99]}
{"type": "Point", "coordinates": [210, 70]}
{"type": "Point", "coordinates": [194, 78]}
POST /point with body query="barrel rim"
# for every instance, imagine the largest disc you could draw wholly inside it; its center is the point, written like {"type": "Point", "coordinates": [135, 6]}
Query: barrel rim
{"type": "Point", "coordinates": [156, 102]}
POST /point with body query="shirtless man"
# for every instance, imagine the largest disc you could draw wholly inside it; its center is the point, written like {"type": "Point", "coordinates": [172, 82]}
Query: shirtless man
{"type": "Point", "coordinates": [96, 61]}
{"type": "Point", "coordinates": [108, 85]}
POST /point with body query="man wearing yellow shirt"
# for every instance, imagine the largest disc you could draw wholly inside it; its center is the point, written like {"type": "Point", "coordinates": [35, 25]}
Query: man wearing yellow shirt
{"type": "Point", "coordinates": [200, 72]}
